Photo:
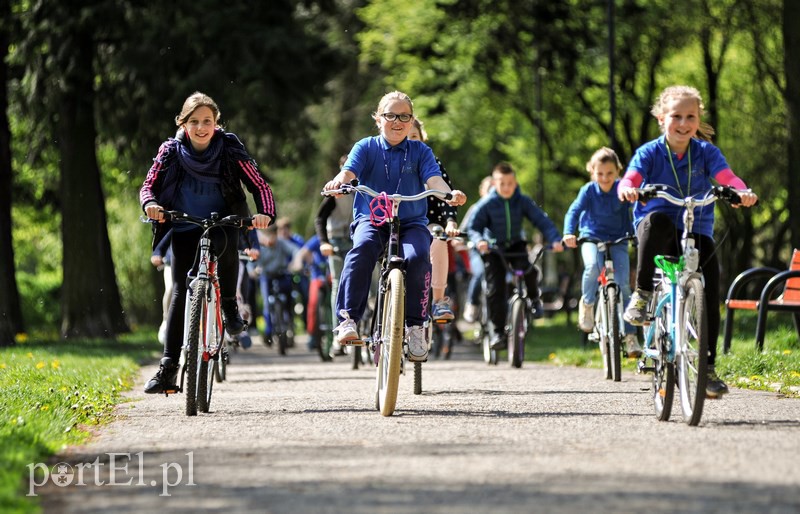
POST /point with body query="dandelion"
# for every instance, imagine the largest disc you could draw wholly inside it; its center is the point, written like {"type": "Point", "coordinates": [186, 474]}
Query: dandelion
{"type": "Point", "coordinates": [44, 407]}
{"type": "Point", "coordinates": [552, 356]}
{"type": "Point", "coordinates": [21, 338]}
{"type": "Point", "coordinates": [787, 352]}
{"type": "Point", "coordinates": [55, 364]}
{"type": "Point", "coordinates": [40, 365]}
{"type": "Point", "coordinates": [2, 365]}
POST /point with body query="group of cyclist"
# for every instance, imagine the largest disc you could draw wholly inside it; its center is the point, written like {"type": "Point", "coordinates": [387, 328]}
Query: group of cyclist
{"type": "Point", "coordinates": [202, 170]}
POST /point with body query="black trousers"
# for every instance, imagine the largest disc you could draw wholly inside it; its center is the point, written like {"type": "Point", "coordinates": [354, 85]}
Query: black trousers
{"type": "Point", "coordinates": [658, 235]}
{"type": "Point", "coordinates": [496, 286]}
{"type": "Point", "coordinates": [184, 252]}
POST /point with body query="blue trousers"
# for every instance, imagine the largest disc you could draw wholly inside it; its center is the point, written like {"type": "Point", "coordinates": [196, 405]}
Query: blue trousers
{"type": "Point", "coordinates": [368, 246]}
{"type": "Point", "coordinates": [593, 262]}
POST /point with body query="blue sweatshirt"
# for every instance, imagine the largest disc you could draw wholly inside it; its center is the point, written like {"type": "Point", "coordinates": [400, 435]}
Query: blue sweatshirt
{"type": "Point", "coordinates": [598, 215]}
{"type": "Point", "coordinates": [500, 219]}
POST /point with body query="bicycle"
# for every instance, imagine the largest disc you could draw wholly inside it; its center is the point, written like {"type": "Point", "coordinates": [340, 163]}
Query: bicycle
{"type": "Point", "coordinates": [676, 340]}
{"type": "Point", "coordinates": [386, 340]}
{"type": "Point", "coordinates": [324, 318]}
{"type": "Point", "coordinates": [520, 313]}
{"type": "Point", "coordinates": [278, 308]}
{"type": "Point", "coordinates": [609, 328]}
{"type": "Point", "coordinates": [204, 337]}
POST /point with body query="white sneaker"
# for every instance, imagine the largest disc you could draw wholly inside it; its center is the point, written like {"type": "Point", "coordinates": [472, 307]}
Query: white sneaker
{"type": "Point", "coordinates": [470, 313]}
{"type": "Point", "coordinates": [346, 332]}
{"type": "Point", "coordinates": [586, 316]}
{"type": "Point", "coordinates": [632, 346]}
{"type": "Point", "coordinates": [417, 344]}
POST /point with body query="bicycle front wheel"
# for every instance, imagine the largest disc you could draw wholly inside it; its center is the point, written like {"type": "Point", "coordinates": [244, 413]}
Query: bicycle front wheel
{"type": "Point", "coordinates": [210, 351]}
{"type": "Point", "coordinates": [692, 353]}
{"type": "Point", "coordinates": [194, 342]}
{"type": "Point", "coordinates": [391, 342]}
{"type": "Point", "coordinates": [614, 339]}
{"type": "Point", "coordinates": [663, 389]}
{"type": "Point", "coordinates": [519, 329]}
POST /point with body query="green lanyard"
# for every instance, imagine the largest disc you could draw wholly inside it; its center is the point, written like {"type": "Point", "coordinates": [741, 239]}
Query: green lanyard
{"type": "Point", "coordinates": [675, 173]}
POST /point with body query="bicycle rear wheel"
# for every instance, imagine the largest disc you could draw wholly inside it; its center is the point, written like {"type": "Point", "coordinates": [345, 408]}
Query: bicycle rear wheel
{"type": "Point", "coordinates": [614, 339]}
{"type": "Point", "coordinates": [692, 354]}
{"type": "Point", "coordinates": [194, 340]}
{"type": "Point", "coordinates": [663, 389]}
{"type": "Point", "coordinates": [519, 329]}
{"type": "Point", "coordinates": [391, 342]}
{"type": "Point", "coordinates": [489, 355]}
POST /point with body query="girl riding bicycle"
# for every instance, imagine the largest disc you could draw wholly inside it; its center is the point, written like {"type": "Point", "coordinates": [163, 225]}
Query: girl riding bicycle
{"type": "Point", "coordinates": [598, 214]}
{"type": "Point", "coordinates": [198, 172]}
{"type": "Point", "coordinates": [392, 163]}
{"type": "Point", "coordinates": [684, 158]}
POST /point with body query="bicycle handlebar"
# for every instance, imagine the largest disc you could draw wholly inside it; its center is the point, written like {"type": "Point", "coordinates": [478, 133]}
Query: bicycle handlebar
{"type": "Point", "coordinates": [727, 193]}
{"type": "Point", "coordinates": [206, 223]}
{"type": "Point", "coordinates": [354, 186]}
{"type": "Point", "coordinates": [626, 237]}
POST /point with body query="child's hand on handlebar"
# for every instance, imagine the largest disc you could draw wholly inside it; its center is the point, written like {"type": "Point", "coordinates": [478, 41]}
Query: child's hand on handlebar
{"type": "Point", "coordinates": [557, 247]}
{"type": "Point", "coordinates": [627, 194]}
{"type": "Point", "coordinates": [261, 221]}
{"type": "Point", "coordinates": [457, 198]}
{"type": "Point", "coordinates": [747, 199]}
{"type": "Point", "coordinates": [570, 241]}
{"type": "Point", "coordinates": [452, 228]}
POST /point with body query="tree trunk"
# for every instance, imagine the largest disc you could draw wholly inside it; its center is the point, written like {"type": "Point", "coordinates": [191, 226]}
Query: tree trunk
{"type": "Point", "coordinates": [791, 40]}
{"type": "Point", "coordinates": [90, 305]}
{"type": "Point", "coordinates": [10, 311]}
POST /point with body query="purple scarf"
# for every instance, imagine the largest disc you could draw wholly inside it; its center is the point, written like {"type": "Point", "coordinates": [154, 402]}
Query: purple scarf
{"type": "Point", "coordinates": [205, 166]}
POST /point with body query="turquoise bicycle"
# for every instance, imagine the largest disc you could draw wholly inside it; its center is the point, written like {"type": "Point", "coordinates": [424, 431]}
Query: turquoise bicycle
{"type": "Point", "coordinates": [676, 339]}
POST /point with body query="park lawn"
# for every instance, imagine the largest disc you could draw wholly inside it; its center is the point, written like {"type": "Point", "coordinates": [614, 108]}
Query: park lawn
{"type": "Point", "coordinates": [775, 369]}
{"type": "Point", "coordinates": [52, 395]}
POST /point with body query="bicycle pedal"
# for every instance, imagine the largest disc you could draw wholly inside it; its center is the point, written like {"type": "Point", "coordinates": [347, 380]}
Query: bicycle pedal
{"type": "Point", "coordinates": [168, 392]}
{"type": "Point", "coordinates": [442, 321]}
{"type": "Point", "coordinates": [352, 342]}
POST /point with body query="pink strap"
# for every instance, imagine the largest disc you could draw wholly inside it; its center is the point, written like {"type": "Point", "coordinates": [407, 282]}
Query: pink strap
{"type": "Point", "coordinates": [380, 209]}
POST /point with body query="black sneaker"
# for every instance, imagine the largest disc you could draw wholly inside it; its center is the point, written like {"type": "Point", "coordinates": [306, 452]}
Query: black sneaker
{"type": "Point", "coordinates": [234, 324]}
{"type": "Point", "coordinates": [499, 342]}
{"type": "Point", "coordinates": [538, 308]}
{"type": "Point", "coordinates": [165, 379]}
{"type": "Point", "coordinates": [715, 387]}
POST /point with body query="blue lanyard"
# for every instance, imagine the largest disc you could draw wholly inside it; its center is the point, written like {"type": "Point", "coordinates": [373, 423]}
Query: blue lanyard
{"type": "Point", "coordinates": [675, 173]}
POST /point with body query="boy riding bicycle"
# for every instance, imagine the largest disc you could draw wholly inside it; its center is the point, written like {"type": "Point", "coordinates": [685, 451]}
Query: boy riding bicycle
{"type": "Point", "coordinates": [498, 216]}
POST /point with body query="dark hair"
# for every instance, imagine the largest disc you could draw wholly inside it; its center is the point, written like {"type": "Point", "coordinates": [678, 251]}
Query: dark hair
{"type": "Point", "coordinates": [503, 168]}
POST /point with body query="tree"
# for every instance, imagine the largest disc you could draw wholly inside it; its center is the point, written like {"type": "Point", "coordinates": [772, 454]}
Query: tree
{"type": "Point", "coordinates": [791, 45]}
{"type": "Point", "coordinates": [11, 321]}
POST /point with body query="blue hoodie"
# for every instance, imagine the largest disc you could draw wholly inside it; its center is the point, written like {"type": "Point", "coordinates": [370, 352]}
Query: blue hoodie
{"type": "Point", "coordinates": [499, 219]}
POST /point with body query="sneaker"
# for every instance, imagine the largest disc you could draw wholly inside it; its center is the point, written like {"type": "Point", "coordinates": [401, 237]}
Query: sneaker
{"type": "Point", "coordinates": [715, 387]}
{"type": "Point", "coordinates": [585, 316]}
{"type": "Point", "coordinates": [346, 331]}
{"type": "Point", "coordinates": [245, 341]}
{"type": "Point", "coordinates": [636, 312]}
{"type": "Point", "coordinates": [442, 310]}
{"type": "Point", "coordinates": [417, 344]}
{"type": "Point", "coordinates": [537, 307]}
{"type": "Point", "coordinates": [632, 346]}
{"type": "Point", "coordinates": [234, 324]}
{"type": "Point", "coordinates": [165, 379]}
{"type": "Point", "coordinates": [470, 313]}
{"type": "Point", "coordinates": [499, 341]}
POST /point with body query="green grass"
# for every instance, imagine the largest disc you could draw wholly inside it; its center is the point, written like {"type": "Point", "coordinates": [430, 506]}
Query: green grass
{"type": "Point", "coordinates": [776, 368]}
{"type": "Point", "coordinates": [52, 395]}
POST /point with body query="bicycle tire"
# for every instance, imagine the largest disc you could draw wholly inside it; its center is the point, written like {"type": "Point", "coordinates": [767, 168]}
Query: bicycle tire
{"type": "Point", "coordinates": [663, 388]}
{"type": "Point", "coordinates": [205, 384]}
{"type": "Point", "coordinates": [391, 342]}
{"type": "Point", "coordinates": [489, 355]}
{"type": "Point", "coordinates": [221, 368]}
{"type": "Point", "coordinates": [323, 329]}
{"type": "Point", "coordinates": [614, 339]}
{"type": "Point", "coordinates": [692, 352]}
{"type": "Point", "coordinates": [600, 334]}
{"type": "Point", "coordinates": [437, 336]}
{"type": "Point", "coordinates": [519, 328]}
{"type": "Point", "coordinates": [212, 339]}
{"type": "Point", "coordinates": [196, 315]}
{"type": "Point", "coordinates": [417, 378]}
{"type": "Point", "coordinates": [279, 326]}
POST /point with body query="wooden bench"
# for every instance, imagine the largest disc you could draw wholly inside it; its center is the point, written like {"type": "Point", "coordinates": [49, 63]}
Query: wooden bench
{"type": "Point", "coordinates": [769, 300]}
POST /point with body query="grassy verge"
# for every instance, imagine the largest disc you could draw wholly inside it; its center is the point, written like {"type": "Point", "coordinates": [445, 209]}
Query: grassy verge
{"type": "Point", "coordinates": [52, 395]}
{"type": "Point", "coordinates": [775, 369]}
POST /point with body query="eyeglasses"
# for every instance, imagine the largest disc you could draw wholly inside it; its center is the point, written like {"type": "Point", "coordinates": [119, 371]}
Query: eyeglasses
{"type": "Point", "coordinates": [390, 116]}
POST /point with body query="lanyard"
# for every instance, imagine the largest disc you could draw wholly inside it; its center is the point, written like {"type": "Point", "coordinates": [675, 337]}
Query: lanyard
{"type": "Point", "coordinates": [675, 173]}
{"type": "Point", "coordinates": [402, 167]}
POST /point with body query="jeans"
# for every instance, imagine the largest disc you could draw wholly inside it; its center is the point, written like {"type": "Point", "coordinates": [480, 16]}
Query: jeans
{"type": "Point", "coordinates": [593, 262]}
{"type": "Point", "coordinates": [476, 276]}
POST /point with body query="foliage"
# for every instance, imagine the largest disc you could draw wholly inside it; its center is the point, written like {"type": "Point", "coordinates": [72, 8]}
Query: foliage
{"type": "Point", "coordinates": [52, 394]}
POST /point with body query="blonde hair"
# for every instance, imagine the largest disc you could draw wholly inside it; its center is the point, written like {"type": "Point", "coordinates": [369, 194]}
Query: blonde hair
{"type": "Point", "coordinates": [705, 131]}
{"type": "Point", "coordinates": [603, 155]}
{"type": "Point", "coordinates": [191, 104]}
{"type": "Point", "coordinates": [391, 97]}
{"type": "Point", "coordinates": [421, 127]}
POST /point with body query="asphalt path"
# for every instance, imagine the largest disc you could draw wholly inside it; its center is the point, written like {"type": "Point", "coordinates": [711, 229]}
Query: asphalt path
{"type": "Point", "coordinates": [294, 434]}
